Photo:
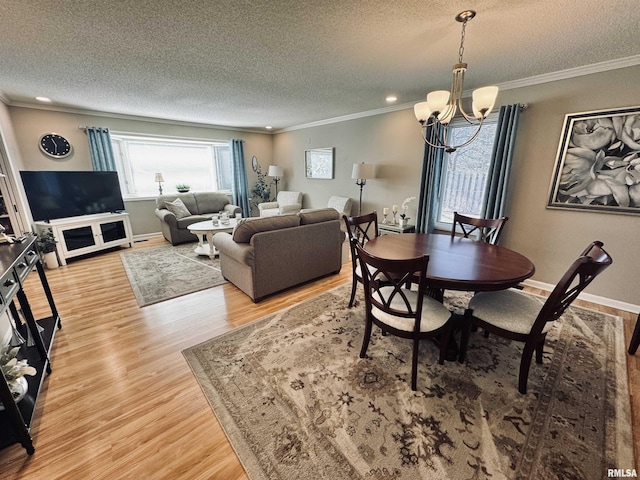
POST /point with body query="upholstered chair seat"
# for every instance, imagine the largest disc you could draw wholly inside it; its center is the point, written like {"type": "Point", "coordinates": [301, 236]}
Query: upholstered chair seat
{"type": "Point", "coordinates": [502, 307]}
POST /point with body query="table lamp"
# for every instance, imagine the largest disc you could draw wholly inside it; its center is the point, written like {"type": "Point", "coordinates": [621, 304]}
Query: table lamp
{"type": "Point", "coordinates": [159, 179]}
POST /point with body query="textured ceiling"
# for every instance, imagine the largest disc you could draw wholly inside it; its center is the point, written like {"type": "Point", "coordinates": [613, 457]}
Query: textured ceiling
{"type": "Point", "coordinates": [250, 63]}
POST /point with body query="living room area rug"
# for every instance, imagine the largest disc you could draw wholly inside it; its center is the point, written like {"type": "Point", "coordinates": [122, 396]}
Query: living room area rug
{"type": "Point", "coordinates": [161, 273]}
{"type": "Point", "coordinates": [297, 402]}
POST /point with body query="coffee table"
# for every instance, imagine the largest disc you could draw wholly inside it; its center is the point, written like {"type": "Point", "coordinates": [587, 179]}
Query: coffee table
{"type": "Point", "coordinates": [207, 230]}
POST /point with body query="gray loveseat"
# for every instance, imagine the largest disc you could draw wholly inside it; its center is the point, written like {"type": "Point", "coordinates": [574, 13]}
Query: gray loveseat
{"type": "Point", "coordinates": [268, 254]}
{"type": "Point", "coordinates": [201, 205]}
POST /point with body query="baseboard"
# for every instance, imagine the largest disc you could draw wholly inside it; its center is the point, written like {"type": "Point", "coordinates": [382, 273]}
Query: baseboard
{"type": "Point", "coordinates": [588, 297]}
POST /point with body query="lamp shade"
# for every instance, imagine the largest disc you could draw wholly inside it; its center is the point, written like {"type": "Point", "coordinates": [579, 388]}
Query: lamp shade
{"type": "Point", "coordinates": [437, 100]}
{"type": "Point", "coordinates": [362, 170]}
{"type": "Point", "coordinates": [275, 171]}
{"type": "Point", "coordinates": [484, 98]}
{"type": "Point", "coordinates": [422, 111]}
{"type": "Point", "coordinates": [159, 177]}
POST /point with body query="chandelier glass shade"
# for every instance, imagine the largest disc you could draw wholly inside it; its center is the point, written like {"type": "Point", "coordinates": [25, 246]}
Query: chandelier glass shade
{"type": "Point", "coordinates": [442, 106]}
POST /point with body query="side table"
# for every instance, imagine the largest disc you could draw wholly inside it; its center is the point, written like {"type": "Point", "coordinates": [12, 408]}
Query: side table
{"type": "Point", "coordinates": [385, 229]}
{"type": "Point", "coordinates": [205, 231]}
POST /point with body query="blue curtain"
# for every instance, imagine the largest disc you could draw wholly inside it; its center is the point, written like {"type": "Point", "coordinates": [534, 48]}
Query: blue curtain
{"type": "Point", "coordinates": [429, 197]}
{"type": "Point", "coordinates": [239, 189]}
{"type": "Point", "coordinates": [494, 204]}
{"type": "Point", "coordinates": [100, 149]}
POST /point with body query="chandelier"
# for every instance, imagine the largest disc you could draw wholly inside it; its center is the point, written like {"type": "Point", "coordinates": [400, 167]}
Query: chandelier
{"type": "Point", "coordinates": [442, 105]}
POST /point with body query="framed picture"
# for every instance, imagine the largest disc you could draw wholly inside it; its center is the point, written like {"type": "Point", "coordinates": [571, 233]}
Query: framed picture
{"type": "Point", "coordinates": [318, 163]}
{"type": "Point", "coordinates": [598, 162]}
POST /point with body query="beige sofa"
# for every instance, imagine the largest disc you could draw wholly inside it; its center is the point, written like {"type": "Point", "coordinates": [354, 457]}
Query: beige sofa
{"type": "Point", "coordinates": [264, 255]}
{"type": "Point", "coordinates": [200, 205]}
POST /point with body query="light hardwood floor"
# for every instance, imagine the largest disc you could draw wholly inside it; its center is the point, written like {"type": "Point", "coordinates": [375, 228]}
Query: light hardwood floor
{"type": "Point", "coordinates": [121, 402]}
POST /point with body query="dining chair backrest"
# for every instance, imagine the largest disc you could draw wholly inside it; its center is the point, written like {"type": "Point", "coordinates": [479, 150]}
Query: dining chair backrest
{"type": "Point", "coordinates": [360, 230]}
{"type": "Point", "coordinates": [591, 262]}
{"type": "Point", "coordinates": [363, 228]}
{"type": "Point", "coordinates": [385, 283]}
{"type": "Point", "coordinates": [485, 229]}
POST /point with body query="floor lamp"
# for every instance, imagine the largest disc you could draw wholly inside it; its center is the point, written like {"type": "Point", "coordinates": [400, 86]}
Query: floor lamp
{"type": "Point", "coordinates": [361, 172]}
{"type": "Point", "coordinates": [276, 173]}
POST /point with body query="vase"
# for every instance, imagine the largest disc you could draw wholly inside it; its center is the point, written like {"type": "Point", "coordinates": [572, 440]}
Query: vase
{"type": "Point", "coordinates": [402, 222]}
{"type": "Point", "coordinates": [51, 260]}
{"type": "Point", "coordinates": [19, 388]}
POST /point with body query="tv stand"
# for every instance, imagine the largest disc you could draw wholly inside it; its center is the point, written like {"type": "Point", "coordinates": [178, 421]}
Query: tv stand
{"type": "Point", "coordinates": [88, 233]}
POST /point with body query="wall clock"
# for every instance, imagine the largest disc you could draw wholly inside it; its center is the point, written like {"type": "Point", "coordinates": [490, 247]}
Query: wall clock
{"type": "Point", "coordinates": [55, 145]}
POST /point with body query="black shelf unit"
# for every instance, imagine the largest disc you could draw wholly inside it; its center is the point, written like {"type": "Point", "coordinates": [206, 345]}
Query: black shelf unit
{"type": "Point", "coordinates": [17, 261]}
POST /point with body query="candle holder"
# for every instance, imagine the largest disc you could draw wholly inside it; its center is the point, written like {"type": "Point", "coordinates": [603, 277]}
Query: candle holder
{"type": "Point", "coordinates": [384, 220]}
{"type": "Point", "coordinates": [393, 220]}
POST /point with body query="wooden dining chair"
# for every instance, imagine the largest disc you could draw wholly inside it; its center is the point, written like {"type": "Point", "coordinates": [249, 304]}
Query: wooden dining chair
{"type": "Point", "coordinates": [399, 311]}
{"type": "Point", "coordinates": [360, 230]}
{"type": "Point", "coordinates": [485, 229]}
{"type": "Point", "coordinates": [513, 315]}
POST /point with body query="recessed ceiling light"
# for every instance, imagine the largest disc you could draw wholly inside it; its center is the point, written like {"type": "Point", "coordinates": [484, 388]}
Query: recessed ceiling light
{"type": "Point", "coordinates": [391, 98]}
{"type": "Point", "coordinates": [268, 127]}
{"type": "Point", "coordinates": [43, 99]}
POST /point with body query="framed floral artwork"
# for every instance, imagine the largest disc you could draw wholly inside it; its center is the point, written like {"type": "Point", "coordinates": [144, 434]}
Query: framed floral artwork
{"type": "Point", "coordinates": [318, 163]}
{"type": "Point", "coordinates": [598, 162]}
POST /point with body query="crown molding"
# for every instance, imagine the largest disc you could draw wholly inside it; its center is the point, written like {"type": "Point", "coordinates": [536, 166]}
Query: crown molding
{"type": "Point", "coordinates": [139, 118]}
{"type": "Point", "coordinates": [525, 82]}
{"type": "Point", "coordinates": [573, 72]}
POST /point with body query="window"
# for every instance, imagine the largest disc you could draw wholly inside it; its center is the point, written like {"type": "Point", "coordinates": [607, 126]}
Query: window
{"type": "Point", "coordinates": [203, 165]}
{"type": "Point", "coordinates": [465, 171]}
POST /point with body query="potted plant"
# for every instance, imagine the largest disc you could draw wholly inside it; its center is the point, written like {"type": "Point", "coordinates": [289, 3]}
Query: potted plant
{"type": "Point", "coordinates": [46, 243]}
{"type": "Point", "coordinates": [183, 187]}
{"type": "Point", "coordinates": [403, 216]}
{"type": "Point", "coordinates": [14, 371]}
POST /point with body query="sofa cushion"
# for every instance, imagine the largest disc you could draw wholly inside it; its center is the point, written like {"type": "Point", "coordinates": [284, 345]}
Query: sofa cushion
{"type": "Point", "coordinates": [210, 202]}
{"type": "Point", "coordinates": [248, 227]}
{"type": "Point", "coordinates": [316, 216]}
{"type": "Point", "coordinates": [178, 208]}
{"type": "Point", "coordinates": [187, 198]}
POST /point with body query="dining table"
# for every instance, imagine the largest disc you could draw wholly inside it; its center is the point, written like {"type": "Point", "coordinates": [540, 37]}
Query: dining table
{"type": "Point", "coordinates": [457, 263]}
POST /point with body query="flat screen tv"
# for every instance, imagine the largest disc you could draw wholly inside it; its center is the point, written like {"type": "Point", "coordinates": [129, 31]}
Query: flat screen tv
{"type": "Point", "coordinates": [53, 195]}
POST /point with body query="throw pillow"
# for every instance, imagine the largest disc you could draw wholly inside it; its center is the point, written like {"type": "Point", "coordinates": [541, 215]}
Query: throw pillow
{"type": "Point", "coordinates": [178, 208]}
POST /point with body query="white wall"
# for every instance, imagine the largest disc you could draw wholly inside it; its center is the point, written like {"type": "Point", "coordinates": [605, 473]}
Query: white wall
{"type": "Point", "coordinates": [30, 123]}
{"type": "Point", "coordinates": [550, 238]}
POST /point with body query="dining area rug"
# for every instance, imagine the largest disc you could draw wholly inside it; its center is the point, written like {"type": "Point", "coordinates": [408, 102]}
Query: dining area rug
{"type": "Point", "coordinates": [161, 273]}
{"type": "Point", "coordinates": [297, 402]}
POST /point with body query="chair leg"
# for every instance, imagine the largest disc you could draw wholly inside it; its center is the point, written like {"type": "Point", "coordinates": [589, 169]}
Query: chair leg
{"type": "Point", "coordinates": [525, 364]}
{"type": "Point", "coordinates": [366, 338]}
{"type": "Point", "coordinates": [354, 284]}
{"type": "Point", "coordinates": [414, 364]}
{"type": "Point", "coordinates": [539, 350]}
{"type": "Point", "coordinates": [635, 339]}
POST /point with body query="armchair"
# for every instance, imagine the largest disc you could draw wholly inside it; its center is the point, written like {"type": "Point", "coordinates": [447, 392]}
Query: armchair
{"type": "Point", "coordinates": [286, 202]}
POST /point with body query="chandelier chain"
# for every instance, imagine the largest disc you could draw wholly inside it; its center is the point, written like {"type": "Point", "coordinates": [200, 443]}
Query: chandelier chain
{"type": "Point", "coordinates": [461, 49]}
